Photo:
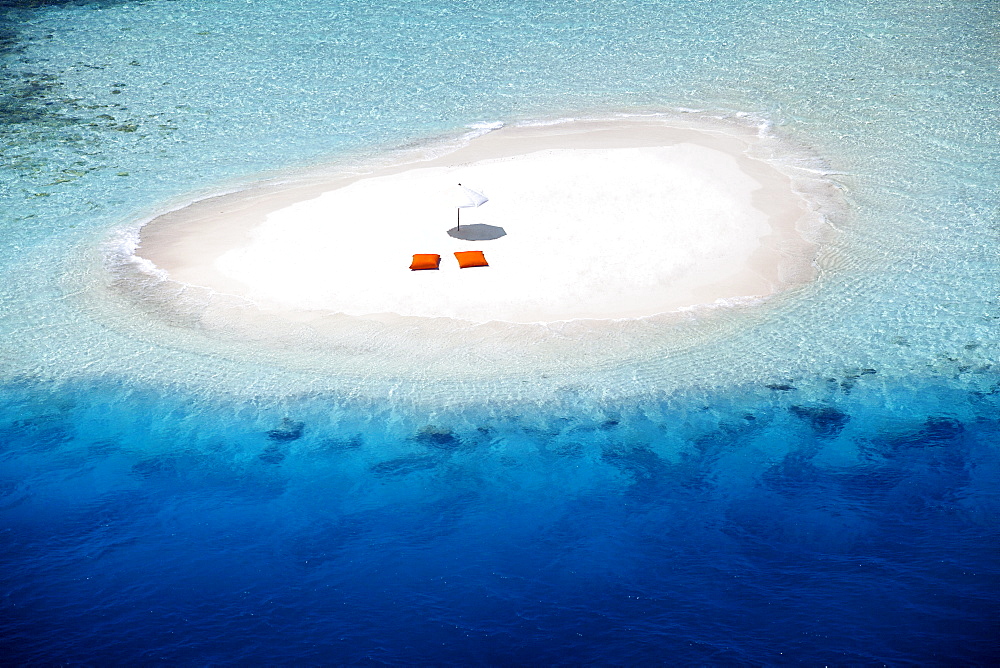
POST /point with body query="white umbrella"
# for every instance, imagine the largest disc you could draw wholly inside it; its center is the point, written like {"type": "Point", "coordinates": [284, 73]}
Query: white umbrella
{"type": "Point", "coordinates": [468, 199]}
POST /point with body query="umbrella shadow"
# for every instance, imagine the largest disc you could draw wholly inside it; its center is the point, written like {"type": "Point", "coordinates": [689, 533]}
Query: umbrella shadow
{"type": "Point", "coordinates": [477, 232]}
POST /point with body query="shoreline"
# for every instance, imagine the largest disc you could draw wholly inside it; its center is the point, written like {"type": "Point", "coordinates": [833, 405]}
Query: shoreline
{"type": "Point", "coordinates": [232, 244]}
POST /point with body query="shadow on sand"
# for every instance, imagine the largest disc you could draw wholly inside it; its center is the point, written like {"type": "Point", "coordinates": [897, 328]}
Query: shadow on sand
{"type": "Point", "coordinates": [477, 232]}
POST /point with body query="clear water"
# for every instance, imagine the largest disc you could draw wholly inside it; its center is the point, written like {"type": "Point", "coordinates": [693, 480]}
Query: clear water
{"type": "Point", "coordinates": [814, 481]}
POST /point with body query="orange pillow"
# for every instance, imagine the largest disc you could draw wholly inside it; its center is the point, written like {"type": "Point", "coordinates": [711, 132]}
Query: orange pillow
{"type": "Point", "coordinates": [471, 259]}
{"type": "Point", "coordinates": [425, 261]}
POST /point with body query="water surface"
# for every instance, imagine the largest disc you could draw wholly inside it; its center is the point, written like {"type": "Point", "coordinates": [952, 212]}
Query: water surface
{"type": "Point", "coordinates": [810, 482]}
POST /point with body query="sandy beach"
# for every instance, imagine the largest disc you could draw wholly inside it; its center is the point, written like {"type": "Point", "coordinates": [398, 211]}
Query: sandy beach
{"type": "Point", "coordinates": [585, 220]}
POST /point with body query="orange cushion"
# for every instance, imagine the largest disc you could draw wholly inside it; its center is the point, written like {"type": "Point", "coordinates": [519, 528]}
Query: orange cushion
{"type": "Point", "coordinates": [471, 259]}
{"type": "Point", "coordinates": [425, 261]}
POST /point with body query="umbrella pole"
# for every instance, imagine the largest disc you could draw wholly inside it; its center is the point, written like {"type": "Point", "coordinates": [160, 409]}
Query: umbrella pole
{"type": "Point", "coordinates": [458, 215]}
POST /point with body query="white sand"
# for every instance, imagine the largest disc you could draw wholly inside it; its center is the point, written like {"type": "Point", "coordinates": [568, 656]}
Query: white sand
{"type": "Point", "coordinates": [601, 220]}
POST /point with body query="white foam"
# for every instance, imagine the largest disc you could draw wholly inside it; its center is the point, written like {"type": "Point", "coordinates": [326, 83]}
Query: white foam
{"type": "Point", "coordinates": [486, 125]}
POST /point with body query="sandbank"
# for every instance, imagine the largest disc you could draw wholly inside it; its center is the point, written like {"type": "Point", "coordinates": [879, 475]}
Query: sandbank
{"type": "Point", "coordinates": [585, 220]}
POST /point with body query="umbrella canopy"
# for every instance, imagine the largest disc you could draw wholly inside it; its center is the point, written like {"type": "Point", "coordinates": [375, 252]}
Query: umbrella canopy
{"type": "Point", "coordinates": [468, 198]}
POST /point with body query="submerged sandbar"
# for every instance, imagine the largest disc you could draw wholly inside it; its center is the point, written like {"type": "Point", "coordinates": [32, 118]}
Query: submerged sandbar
{"type": "Point", "coordinates": [599, 220]}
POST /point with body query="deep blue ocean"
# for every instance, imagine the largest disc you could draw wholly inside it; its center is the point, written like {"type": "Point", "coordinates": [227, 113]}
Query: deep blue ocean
{"type": "Point", "coordinates": [814, 481]}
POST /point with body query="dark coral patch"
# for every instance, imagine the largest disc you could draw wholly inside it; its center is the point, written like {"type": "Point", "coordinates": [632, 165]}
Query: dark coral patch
{"type": "Point", "coordinates": [825, 420]}
{"type": "Point", "coordinates": [438, 437]}
{"type": "Point", "coordinates": [289, 430]}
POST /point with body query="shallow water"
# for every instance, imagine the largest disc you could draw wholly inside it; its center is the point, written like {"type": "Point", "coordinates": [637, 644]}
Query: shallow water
{"type": "Point", "coordinates": [809, 481]}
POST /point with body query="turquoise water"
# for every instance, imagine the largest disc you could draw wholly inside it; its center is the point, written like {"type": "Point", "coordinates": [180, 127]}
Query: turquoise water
{"type": "Point", "coordinates": [813, 480]}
